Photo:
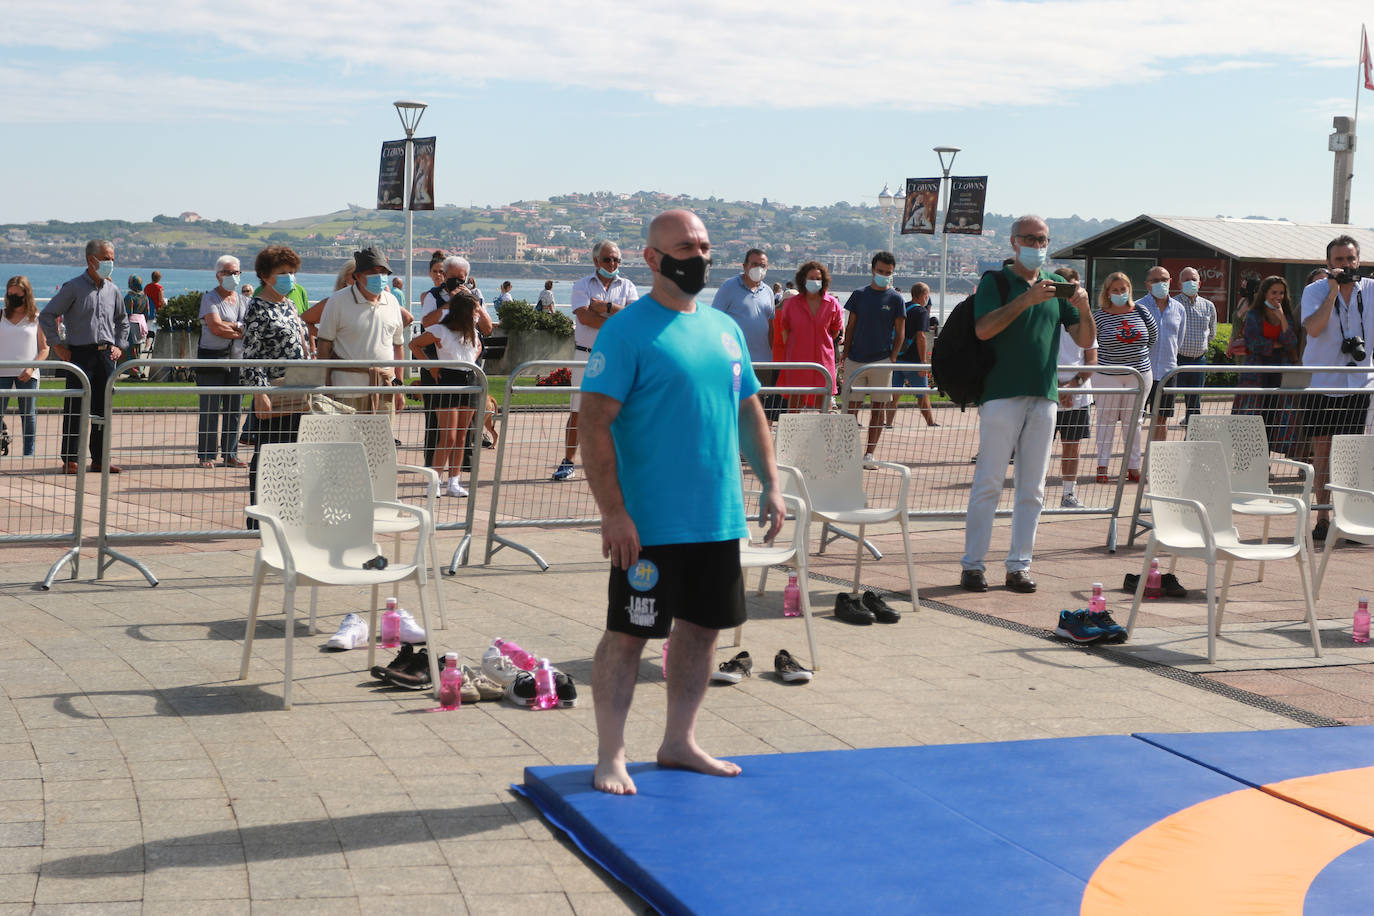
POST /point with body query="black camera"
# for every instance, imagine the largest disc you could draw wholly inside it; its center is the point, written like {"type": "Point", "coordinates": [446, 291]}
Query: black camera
{"type": "Point", "coordinates": [1344, 275]}
{"type": "Point", "coordinates": [1354, 348]}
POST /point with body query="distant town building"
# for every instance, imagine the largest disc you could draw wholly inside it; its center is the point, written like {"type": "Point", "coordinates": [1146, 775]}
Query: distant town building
{"type": "Point", "coordinates": [190, 216]}
{"type": "Point", "coordinates": [510, 246]}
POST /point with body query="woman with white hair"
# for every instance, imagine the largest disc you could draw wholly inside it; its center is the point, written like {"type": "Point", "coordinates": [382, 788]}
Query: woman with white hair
{"type": "Point", "coordinates": [222, 312]}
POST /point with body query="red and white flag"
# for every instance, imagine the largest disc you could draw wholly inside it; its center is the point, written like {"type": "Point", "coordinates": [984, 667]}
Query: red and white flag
{"type": "Point", "coordinates": [1366, 62]}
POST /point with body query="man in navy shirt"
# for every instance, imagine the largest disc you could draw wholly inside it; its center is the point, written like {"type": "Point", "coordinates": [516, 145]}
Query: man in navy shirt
{"type": "Point", "coordinates": [875, 332]}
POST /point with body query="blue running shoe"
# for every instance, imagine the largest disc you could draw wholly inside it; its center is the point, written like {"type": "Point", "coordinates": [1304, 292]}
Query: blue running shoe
{"type": "Point", "coordinates": [1074, 625]}
{"type": "Point", "coordinates": [1112, 631]}
{"type": "Point", "coordinates": [564, 471]}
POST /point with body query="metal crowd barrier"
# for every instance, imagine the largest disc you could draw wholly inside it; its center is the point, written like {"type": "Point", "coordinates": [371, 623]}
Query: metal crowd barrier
{"type": "Point", "coordinates": [1284, 410]}
{"type": "Point", "coordinates": [161, 493]}
{"type": "Point", "coordinates": [39, 502]}
{"type": "Point", "coordinates": [943, 456]}
{"type": "Point", "coordinates": [532, 441]}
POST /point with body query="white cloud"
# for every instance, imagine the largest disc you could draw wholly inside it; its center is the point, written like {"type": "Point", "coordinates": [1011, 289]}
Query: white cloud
{"type": "Point", "coordinates": [936, 55]}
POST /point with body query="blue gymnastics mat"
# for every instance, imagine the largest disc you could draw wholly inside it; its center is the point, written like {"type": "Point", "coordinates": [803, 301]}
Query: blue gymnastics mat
{"type": "Point", "coordinates": [1263, 758]}
{"type": "Point", "coordinates": [973, 828]}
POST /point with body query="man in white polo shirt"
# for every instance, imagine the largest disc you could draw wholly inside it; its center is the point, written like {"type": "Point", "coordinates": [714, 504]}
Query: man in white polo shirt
{"type": "Point", "coordinates": [363, 322]}
{"type": "Point", "coordinates": [594, 298]}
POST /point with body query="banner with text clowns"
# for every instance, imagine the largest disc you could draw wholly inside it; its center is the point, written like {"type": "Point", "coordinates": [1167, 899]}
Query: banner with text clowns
{"type": "Point", "coordinates": [391, 177]}
{"type": "Point", "coordinates": [922, 201]}
{"type": "Point", "coordinates": [967, 198]}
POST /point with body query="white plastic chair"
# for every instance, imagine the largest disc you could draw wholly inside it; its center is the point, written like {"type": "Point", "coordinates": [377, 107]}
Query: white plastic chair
{"type": "Point", "coordinates": [1247, 445]}
{"type": "Point", "coordinates": [374, 432]}
{"type": "Point", "coordinates": [824, 456]}
{"type": "Point", "coordinates": [1352, 495]}
{"type": "Point", "coordinates": [765, 556]}
{"type": "Point", "coordinates": [315, 513]}
{"type": "Point", "coordinates": [1190, 498]}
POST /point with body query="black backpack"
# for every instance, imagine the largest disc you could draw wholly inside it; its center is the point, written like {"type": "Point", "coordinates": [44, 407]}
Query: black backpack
{"type": "Point", "coordinates": [961, 362]}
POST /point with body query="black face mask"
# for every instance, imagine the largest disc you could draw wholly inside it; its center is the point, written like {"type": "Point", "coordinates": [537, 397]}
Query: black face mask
{"type": "Point", "coordinates": [452, 283]}
{"type": "Point", "coordinates": [688, 273]}
{"type": "Point", "coordinates": [14, 300]}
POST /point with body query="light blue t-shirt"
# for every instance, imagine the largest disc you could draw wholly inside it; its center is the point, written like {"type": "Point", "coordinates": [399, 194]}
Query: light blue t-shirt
{"type": "Point", "coordinates": [679, 377]}
{"type": "Point", "coordinates": [752, 310]}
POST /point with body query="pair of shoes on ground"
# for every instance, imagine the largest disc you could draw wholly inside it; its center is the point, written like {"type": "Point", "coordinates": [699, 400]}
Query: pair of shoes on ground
{"type": "Point", "coordinates": [522, 690]}
{"type": "Point", "coordinates": [865, 610]}
{"type": "Point", "coordinates": [1019, 580]}
{"type": "Point", "coordinates": [787, 668]}
{"type": "Point", "coordinates": [69, 467]}
{"type": "Point", "coordinates": [1084, 627]}
{"type": "Point", "coordinates": [353, 632]}
{"type": "Point", "coordinates": [564, 471]}
{"type": "Point", "coordinates": [409, 670]}
{"type": "Point", "coordinates": [1169, 585]}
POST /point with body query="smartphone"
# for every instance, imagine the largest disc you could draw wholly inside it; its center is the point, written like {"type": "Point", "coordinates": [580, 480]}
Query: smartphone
{"type": "Point", "coordinates": [1065, 290]}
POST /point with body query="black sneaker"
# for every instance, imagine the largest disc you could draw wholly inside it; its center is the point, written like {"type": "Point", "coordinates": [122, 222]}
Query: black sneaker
{"type": "Point", "coordinates": [881, 610]}
{"type": "Point", "coordinates": [733, 671]}
{"type": "Point", "coordinates": [399, 663]}
{"type": "Point", "coordinates": [522, 690]}
{"type": "Point", "coordinates": [1169, 585]}
{"type": "Point", "coordinates": [414, 676]}
{"type": "Point", "coordinates": [851, 611]}
{"type": "Point", "coordinates": [1320, 529]}
{"type": "Point", "coordinates": [1130, 582]}
{"type": "Point", "coordinates": [789, 669]}
{"type": "Point", "coordinates": [566, 688]}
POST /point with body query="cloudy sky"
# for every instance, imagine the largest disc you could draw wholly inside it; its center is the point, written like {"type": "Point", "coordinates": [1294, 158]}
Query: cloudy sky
{"type": "Point", "coordinates": [254, 110]}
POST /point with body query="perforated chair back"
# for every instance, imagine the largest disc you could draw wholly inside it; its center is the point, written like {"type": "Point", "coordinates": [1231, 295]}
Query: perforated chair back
{"type": "Point", "coordinates": [826, 448]}
{"type": "Point", "coordinates": [375, 434]}
{"type": "Point", "coordinates": [1352, 465]}
{"type": "Point", "coordinates": [322, 495]}
{"type": "Point", "coordinates": [1246, 443]}
{"type": "Point", "coordinates": [1196, 470]}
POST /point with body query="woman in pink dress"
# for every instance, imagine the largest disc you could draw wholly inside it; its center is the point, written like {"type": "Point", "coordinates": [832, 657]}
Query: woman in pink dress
{"type": "Point", "coordinates": [810, 324]}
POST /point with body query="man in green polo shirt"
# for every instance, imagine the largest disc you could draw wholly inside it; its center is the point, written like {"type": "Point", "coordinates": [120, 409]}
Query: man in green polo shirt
{"type": "Point", "coordinates": [1020, 398]}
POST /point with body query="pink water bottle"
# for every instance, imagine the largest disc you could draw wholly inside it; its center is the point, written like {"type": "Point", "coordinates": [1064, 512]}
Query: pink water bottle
{"type": "Point", "coordinates": [665, 658]}
{"type": "Point", "coordinates": [1153, 588]}
{"type": "Point", "coordinates": [450, 683]}
{"type": "Point", "coordinates": [545, 697]}
{"type": "Point", "coordinates": [1361, 631]}
{"type": "Point", "coordinates": [518, 656]}
{"type": "Point", "coordinates": [1097, 603]}
{"type": "Point", "coordinates": [391, 626]}
{"type": "Point", "coordinates": [791, 598]}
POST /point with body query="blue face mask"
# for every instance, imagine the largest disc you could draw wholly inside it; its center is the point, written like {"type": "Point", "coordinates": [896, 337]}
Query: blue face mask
{"type": "Point", "coordinates": [1159, 289]}
{"type": "Point", "coordinates": [1190, 287]}
{"type": "Point", "coordinates": [605, 274]}
{"type": "Point", "coordinates": [104, 268]}
{"type": "Point", "coordinates": [284, 284]}
{"type": "Point", "coordinates": [376, 283]}
{"type": "Point", "coordinates": [1119, 299]}
{"type": "Point", "coordinates": [1032, 258]}
{"type": "Point", "coordinates": [813, 286]}
{"type": "Point", "coordinates": [882, 282]}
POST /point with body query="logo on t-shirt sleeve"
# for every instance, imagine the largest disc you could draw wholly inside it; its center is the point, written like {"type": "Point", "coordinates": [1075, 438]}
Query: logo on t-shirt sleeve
{"type": "Point", "coordinates": [727, 340]}
{"type": "Point", "coordinates": [596, 365]}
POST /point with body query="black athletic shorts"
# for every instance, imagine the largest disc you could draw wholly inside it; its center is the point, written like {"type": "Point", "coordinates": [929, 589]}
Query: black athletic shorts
{"type": "Point", "coordinates": [699, 583]}
{"type": "Point", "coordinates": [1339, 416]}
{"type": "Point", "coordinates": [1166, 400]}
{"type": "Point", "coordinates": [1071, 424]}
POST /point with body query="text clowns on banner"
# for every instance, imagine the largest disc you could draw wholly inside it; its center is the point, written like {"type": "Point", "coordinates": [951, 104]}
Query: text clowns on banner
{"type": "Point", "coordinates": [922, 202]}
{"type": "Point", "coordinates": [964, 212]}
{"type": "Point", "coordinates": [391, 179]}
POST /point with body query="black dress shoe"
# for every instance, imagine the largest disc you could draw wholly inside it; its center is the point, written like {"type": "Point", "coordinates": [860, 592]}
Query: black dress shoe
{"type": "Point", "coordinates": [851, 611]}
{"type": "Point", "coordinates": [1020, 581]}
{"type": "Point", "coordinates": [1169, 585]}
{"type": "Point", "coordinates": [881, 610]}
{"type": "Point", "coordinates": [1130, 582]}
{"type": "Point", "coordinates": [1320, 529]}
{"type": "Point", "coordinates": [971, 580]}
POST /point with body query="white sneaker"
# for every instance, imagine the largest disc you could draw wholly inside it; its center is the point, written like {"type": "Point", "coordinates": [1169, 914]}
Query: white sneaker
{"type": "Point", "coordinates": [411, 631]}
{"type": "Point", "coordinates": [869, 461]}
{"type": "Point", "coordinates": [352, 633]}
{"type": "Point", "coordinates": [1070, 501]}
{"type": "Point", "coordinates": [497, 667]}
{"type": "Point", "coordinates": [455, 488]}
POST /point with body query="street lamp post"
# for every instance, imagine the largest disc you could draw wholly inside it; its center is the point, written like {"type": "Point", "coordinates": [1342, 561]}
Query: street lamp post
{"type": "Point", "coordinates": [891, 205]}
{"type": "Point", "coordinates": [942, 151]}
{"type": "Point", "coordinates": [410, 114]}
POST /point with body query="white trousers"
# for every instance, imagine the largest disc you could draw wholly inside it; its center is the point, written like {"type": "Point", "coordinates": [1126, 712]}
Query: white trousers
{"type": "Point", "coordinates": [1025, 425]}
{"type": "Point", "coordinates": [1112, 408]}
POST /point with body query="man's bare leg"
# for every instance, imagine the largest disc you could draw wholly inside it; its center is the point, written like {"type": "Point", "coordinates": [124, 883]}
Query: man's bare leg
{"type": "Point", "coordinates": [689, 668]}
{"type": "Point", "coordinates": [614, 669]}
{"type": "Point", "coordinates": [1068, 468]}
{"type": "Point", "coordinates": [1321, 464]}
{"type": "Point", "coordinates": [570, 437]}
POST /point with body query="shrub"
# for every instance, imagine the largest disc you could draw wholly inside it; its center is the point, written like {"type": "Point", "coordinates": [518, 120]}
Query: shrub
{"type": "Point", "coordinates": [181, 311]}
{"type": "Point", "coordinates": [1216, 356]}
{"type": "Point", "coordinates": [519, 316]}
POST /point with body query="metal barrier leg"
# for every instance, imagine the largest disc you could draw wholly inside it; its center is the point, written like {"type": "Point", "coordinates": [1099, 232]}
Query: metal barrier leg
{"type": "Point", "coordinates": [500, 542]}
{"type": "Point", "coordinates": [72, 556]}
{"type": "Point", "coordinates": [460, 558]}
{"type": "Point", "coordinates": [1111, 534]}
{"type": "Point", "coordinates": [839, 532]}
{"type": "Point", "coordinates": [115, 556]}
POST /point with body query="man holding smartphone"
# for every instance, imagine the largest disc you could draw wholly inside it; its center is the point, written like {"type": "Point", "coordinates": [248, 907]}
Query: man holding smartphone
{"type": "Point", "coordinates": [1338, 315]}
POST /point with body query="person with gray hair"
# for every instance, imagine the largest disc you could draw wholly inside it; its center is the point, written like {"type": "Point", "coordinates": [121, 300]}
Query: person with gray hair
{"type": "Point", "coordinates": [222, 312]}
{"type": "Point", "coordinates": [94, 323]}
{"type": "Point", "coordinates": [1018, 314]}
{"type": "Point", "coordinates": [594, 299]}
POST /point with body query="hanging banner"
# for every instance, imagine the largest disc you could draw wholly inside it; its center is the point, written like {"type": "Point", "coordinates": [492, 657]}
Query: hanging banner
{"type": "Point", "coordinates": [422, 187]}
{"type": "Point", "coordinates": [391, 179]}
{"type": "Point", "coordinates": [964, 213]}
{"type": "Point", "coordinates": [922, 202]}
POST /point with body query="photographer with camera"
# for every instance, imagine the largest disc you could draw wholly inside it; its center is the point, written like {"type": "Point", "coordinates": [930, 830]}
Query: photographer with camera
{"type": "Point", "coordinates": [1338, 315]}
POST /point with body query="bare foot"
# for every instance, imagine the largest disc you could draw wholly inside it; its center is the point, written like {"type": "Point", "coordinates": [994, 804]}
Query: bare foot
{"type": "Point", "coordinates": [612, 778]}
{"type": "Point", "coordinates": [691, 757]}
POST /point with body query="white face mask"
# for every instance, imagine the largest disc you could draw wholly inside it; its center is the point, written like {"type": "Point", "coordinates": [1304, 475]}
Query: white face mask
{"type": "Point", "coordinates": [231, 282]}
{"type": "Point", "coordinates": [813, 286]}
{"type": "Point", "coordinates": [756, 274]}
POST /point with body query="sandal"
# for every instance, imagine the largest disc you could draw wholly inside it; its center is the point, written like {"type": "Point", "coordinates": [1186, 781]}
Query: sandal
{"type": "Point", "coordinates": [1133, 475]}
{"type": "Point", "coordinates": [1102, 474]}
